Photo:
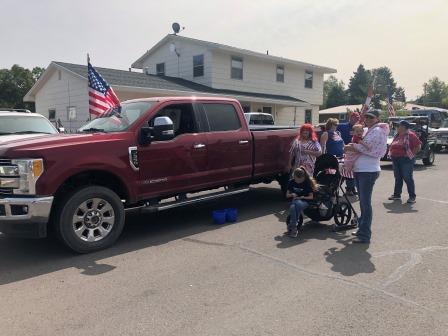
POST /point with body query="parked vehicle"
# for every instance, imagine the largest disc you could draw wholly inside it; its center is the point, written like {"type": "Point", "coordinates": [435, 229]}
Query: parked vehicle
{"type": "Point", "coordinates": [442, 136]}
{"type": "Point", "coordinates": [420, 125]}
{"type": "Point", "coordinates": [435, 116]}
{"type": "Point", "coordinates": [23, 124]}
{"type": "Point", "coordinates": [258, 118]}
{"type": "Point", "coordinates": [155, 154]}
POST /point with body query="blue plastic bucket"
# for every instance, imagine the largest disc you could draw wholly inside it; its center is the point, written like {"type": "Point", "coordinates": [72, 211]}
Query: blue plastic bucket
{"type": "Point", "coordinates": [231, 215]}
{"type": "Point", "coordinates": [219, 216]}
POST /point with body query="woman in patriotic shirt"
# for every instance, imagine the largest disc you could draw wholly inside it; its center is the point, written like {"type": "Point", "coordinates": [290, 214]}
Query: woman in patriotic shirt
{"type": "Point", "coordinates": [305, 149]}
{"type": "Point", "coordinates": [402, 152]}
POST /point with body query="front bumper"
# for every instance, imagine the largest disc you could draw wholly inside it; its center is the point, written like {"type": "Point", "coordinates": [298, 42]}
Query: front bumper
{"type": "Point", "coordinates": [25, 217]}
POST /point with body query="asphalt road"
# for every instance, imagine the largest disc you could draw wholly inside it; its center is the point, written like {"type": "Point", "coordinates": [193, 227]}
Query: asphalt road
{"type": "Point", "coordinates": [175, 273]}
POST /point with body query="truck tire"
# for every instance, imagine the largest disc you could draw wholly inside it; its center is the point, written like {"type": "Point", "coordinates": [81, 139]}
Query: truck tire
{"type": "Point", "coordinates": [429, 160]}
{"type": "Point", "coordinates": [90, 219]}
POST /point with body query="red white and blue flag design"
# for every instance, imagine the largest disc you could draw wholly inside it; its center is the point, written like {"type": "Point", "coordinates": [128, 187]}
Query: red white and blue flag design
{"type": "Point", "coordinates": [101, 95]}
{"type": "Point", "coordinates": [390, 106]}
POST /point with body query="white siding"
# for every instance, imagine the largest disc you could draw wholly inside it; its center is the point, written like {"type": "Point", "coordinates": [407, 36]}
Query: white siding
{"type": "Point", "coordinates": [62, 93]}
{"type": "Point", "coordinates": [285, 115]}
{"type": "Point", "coordinates": [183, 69]}
{"type": "Point", "coordinates": [260, 76]}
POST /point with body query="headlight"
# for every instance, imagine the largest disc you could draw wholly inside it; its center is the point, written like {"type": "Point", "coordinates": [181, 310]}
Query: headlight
{"type": "Point", "coordinates": [29, 172]}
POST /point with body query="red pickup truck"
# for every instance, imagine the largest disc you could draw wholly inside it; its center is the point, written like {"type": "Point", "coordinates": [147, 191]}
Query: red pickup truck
{"type": "Point", "coordinates": [156, 153]}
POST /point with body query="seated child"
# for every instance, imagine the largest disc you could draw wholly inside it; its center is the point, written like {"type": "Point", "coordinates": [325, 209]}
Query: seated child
{"type": "Point", "coordinates": [300, 190]}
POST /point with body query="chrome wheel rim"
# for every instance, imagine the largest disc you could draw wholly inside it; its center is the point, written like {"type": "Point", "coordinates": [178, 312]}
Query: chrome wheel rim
{"type": "Point", "coordinates": [93, 220]}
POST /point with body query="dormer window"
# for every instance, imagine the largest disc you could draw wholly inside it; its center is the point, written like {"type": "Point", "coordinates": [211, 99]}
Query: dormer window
{"type": "Point", "coordinates": [280, 73]}
{"type": "Point", "coordinates": [198, 66]}
{"type": "Point", "coordinates": [308, 79]}
{"type": "Point", "coordinates": [236, 71]}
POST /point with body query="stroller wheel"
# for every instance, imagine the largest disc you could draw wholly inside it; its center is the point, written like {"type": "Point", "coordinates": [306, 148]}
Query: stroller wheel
{"type": "Point", "coordinates": [299, 221]}
{"type": "Point", "coordinates": [342, 214]}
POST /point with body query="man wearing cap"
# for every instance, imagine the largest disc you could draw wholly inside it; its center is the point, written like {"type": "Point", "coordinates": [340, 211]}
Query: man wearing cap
{"type": "Point", "coordinates": [402, 151]}
{"type": "Point", "coordinates": [367, 169]}
{"type": "Point", "coordinates": [345, 129]}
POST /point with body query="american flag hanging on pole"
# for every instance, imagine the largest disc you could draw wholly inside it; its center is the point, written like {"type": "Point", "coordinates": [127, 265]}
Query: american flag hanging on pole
{"type": "Point", "coordinates": [101, 95]}
{"type": "Point", "coordinates": [390, 106]}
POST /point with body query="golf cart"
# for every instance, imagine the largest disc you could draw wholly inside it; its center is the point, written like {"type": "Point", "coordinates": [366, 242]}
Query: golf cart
{"type": "Point", "coordinates": [420, 126]}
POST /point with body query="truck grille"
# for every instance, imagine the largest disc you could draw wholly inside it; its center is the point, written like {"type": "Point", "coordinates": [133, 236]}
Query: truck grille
{"type": "Point", "coordinates": [5, 162]}
{"type": "Point", "coordinates": [5, 191]}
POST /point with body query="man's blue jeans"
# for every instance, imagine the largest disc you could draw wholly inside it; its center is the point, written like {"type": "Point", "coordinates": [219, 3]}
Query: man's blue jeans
{"type": "Point", "coordinates": [403, 171]}
{"type": "Point", "coordinates": [295, 210]}
{"type": "Point", "coordinates": [364, 184]}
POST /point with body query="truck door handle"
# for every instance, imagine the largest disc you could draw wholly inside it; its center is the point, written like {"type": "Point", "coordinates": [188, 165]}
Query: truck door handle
{"type": "Point", "coordinates": [199, 146]}
{"type": "Point", "coordinates": [243, 142]}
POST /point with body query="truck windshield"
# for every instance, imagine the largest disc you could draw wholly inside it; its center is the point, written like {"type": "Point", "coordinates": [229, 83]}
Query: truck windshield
{"type": "Point", "coordinates": [117, 120]}
{"type": "Point", "coordinates": [25, 125]}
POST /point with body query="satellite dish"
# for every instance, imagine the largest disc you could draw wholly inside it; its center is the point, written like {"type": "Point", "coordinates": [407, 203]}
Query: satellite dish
{"type": "Point", "coordinates": [176, 27]}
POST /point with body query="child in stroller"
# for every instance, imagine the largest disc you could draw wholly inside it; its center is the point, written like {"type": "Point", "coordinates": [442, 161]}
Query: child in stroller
{"type": "Point", "coordinates": [326, 202]}
{"type": "Point", "coordinates": [300, 189]}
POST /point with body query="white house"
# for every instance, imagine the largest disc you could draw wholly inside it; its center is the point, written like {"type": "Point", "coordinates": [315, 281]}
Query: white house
{"type": "Point", "coordinates": [291, 90]}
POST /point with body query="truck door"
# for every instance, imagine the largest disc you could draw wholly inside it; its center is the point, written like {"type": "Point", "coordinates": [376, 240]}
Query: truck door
{"type": "Point", "coordinates": [174, 166]}
{"type": "Point", "coordinates": [229, 143]}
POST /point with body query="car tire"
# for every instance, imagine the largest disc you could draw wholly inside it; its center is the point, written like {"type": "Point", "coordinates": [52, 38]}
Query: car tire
{"type": "Point", "coordinates": [429, 160]}
{"type": "Point", "coordinates": [90, 219]}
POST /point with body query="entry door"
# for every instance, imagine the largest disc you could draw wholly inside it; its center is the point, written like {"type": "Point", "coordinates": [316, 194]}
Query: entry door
{"type": "Point", "coordinates": [174, 166]}
{"type": "Point", "coordinates": [229, 144]}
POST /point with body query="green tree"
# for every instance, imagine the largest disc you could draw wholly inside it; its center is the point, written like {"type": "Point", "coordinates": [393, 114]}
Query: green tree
{"type": "Point", "coordinates": [383, 79]}
{"type": "Point", "coordinates": [15, 83]}
{"type": "Point", "coordinates": [334, 92]}
{"type": "Point", "coordinates": [358, 85]}
{"type": "Point", "coordinates": [400, 95]}
{"type": "Point", "coordinates": [435, 93]}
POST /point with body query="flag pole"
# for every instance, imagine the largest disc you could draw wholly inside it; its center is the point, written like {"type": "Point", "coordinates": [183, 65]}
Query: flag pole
{"type": "Point", "coordinates": [88, 62]}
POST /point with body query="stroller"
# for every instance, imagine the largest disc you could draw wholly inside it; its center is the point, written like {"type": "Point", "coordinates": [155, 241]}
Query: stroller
{"type": "Point", "coordinates": [330, 201]}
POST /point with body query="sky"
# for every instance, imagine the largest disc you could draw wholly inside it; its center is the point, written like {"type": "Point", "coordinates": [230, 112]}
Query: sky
{"type": "Point", "coordinates": [410, 37]}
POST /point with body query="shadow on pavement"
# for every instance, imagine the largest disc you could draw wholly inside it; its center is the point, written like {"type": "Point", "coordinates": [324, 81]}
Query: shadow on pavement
{"type": "Point", "coordinates": [349, 260]}
{"type": "Point", "coordinates": [399, 208]}
{"type": "Point", "coordinates": [352, 259]}
{"type": "Point", "coordinates": [23, 259]}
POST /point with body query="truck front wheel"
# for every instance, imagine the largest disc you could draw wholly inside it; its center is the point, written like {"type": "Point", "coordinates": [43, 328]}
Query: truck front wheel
{"type": "Point", "coordinates": [90, 219]}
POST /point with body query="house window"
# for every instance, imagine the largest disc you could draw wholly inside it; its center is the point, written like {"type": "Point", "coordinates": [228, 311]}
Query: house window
{"type": "Point", "coordinates": [71, 113]}
{"type": "Point", "coordinates": [237, 68]}
{"type": "Point", "coordinates": [309, 79]}
{"type": "Point", "coordinates": [280, 73]}
{"type": "Point", "coordinates": [198, 65]}
{"type": "Point", "coordinates": [267, 109]}
{"type": "Point", "coordinates": [308, 116]}
{"type": "Point", "coordinates": [342, 116]}
{"type": "Point", "coordinates": [246, 108]}
{"type": "Point", "coordinates": [52, 114]}
{"type": "Point", "coordinates": [160, 69]}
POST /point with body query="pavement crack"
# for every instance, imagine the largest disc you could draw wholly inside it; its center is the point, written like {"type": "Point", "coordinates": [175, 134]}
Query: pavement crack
{"type": "Point", "coordinates": [204, 242]}
{"type": "Point", "coordinates": [375, 289]}
{"type": "Point", "coordinates": [416, 258]}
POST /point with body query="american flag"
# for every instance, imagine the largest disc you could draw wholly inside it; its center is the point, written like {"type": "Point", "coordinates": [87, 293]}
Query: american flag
{"type": "Point", "coordinates": [390, 106]}
{"type": "Point", "coordinates": [101, 96]}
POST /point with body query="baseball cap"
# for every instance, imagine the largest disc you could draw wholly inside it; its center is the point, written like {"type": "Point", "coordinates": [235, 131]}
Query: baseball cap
{"type": "Point", "coordinates": [405, 123]}
{"type": "Point", "coordinates": [373, 113]}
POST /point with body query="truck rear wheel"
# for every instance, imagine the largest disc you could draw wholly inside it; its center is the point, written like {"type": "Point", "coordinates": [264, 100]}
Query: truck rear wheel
{"type": "Point", "coordinates": [90, 219]}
